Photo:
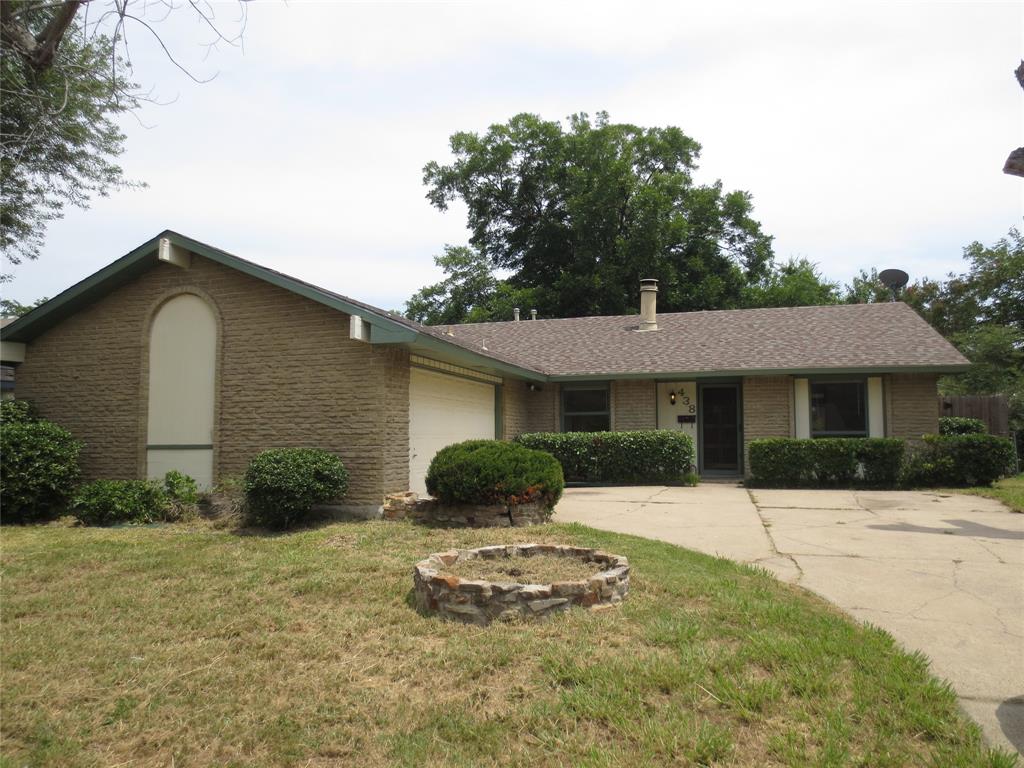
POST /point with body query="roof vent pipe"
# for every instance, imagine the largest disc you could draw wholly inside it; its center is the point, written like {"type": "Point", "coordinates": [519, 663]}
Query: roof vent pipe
{"type": "Point", "coordinates": [515, 314]}
{"type": "Point", "coordinates": [533, 314]}
{"type": "Point", "coordinates": [648, 304]}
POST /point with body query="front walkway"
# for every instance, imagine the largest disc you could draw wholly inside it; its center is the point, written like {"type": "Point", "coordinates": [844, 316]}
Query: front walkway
{"type": "Point", "coordinates": [943, 573]}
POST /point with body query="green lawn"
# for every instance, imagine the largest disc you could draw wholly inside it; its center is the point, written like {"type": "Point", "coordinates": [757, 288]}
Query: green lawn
{"type": "Point", "coordinates": [190, 646]}
{"type": "Point", "coordinates": [1009, 490]}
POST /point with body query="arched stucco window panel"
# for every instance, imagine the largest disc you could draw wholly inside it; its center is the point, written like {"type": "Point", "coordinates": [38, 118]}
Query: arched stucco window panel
{"type": "Point", "coordinates": [180, 392]}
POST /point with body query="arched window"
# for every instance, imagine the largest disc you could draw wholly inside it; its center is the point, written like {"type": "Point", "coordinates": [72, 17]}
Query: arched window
{"type": "Point", "coordinates": [182, 372]}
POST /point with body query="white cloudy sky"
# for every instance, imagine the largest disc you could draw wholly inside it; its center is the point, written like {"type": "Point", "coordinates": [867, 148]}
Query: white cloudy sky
{"type": "Point", "coordinates": [870, 134]}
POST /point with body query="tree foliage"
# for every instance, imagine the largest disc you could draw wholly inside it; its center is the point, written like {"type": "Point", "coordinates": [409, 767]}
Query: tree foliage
{"type": "Point", "coordinates": [58, 136]}
{"type": "Point", "coordinates": [794, 283]}
{"type": "Point", "coordinates": [578, 214]}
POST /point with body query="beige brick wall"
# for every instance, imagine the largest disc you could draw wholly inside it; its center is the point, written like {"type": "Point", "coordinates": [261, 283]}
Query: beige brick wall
{"type": "Point", "coordinates": [767, 410]}
{"type": "Point", "coordinates": [911, 404]}
{"type": "Point", "coordinates": [634, 405]}
{"type": "Point", "coordinates": [288, 376]}
{"type": "Point", "coordinates": [526, 411]}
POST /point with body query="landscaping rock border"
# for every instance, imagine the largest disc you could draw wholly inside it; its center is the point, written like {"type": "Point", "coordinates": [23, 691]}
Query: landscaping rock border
{"type": "Point", "coordinates": [407, 506]}
{"type": "Point", "coordinates": [481, 602]}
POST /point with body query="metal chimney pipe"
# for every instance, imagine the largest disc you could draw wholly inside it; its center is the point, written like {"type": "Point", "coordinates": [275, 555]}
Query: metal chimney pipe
{"type": "Point", "coordinates": [533, 314]}
{"type": "Point", "coordinates": [515, 314]}
{"type": "Point", "coordinates": [648, 304]}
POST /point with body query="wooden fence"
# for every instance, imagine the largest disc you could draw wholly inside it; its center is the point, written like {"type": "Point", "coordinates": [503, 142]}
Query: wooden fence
{"type": "Point", "coordinates": [994, 410]}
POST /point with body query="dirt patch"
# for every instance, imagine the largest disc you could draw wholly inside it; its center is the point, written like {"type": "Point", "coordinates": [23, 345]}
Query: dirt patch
{"type": "Point", "coordinates": [536, 569]}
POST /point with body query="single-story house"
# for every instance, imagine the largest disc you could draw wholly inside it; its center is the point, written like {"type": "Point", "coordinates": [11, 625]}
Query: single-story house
{"type": "Point", "coordinates": [180, 355]}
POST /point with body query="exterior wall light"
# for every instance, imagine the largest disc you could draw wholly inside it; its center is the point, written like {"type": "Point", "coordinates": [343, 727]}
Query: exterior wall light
{"type": "Point", "coordinates": [672, 397]}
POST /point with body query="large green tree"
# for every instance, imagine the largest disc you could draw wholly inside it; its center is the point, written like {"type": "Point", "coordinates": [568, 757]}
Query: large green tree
{"type": "Point", "coordinates": [577, 214]}
{"type": "Point", "coordinates": [794, 283]}
{"type": "Point", "coordinates": [64, 81]}
{"type": "Point", "coordinates": [59, 139]}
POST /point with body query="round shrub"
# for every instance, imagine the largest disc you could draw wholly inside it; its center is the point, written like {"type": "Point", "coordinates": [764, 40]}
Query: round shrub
{"type": "Point", "coordinates": [494, 472]}
{"type": "Point", "coordinates": [283, 484]}
{"type": "Point", "coordinates": [38, 468]}
{"type": "Point", "coordinates": [961, 425]}
{"type": "Point", "coordinates": [106, 502]}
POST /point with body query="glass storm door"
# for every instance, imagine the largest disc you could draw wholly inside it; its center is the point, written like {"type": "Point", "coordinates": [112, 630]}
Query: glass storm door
{"type": "Point", "coordinates": [720, 428]}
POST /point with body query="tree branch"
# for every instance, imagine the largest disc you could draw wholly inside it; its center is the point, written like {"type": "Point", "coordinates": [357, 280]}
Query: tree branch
{"type": "Point", "coordinates": [37, 50]}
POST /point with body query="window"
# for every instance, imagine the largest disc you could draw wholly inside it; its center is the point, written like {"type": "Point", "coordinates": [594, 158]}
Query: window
{"type": "Point", "coordinates": [839, 409]}
{"type": "Point", "coordinates": [585, 408]}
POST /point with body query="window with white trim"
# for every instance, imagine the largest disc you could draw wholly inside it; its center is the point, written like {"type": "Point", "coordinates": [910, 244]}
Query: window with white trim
{"type": "Point", "coordinates": [839, 408]}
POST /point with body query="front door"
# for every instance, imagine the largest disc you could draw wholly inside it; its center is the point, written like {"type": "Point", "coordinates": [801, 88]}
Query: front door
{"type": "Point", "coordinates": [720, 429]}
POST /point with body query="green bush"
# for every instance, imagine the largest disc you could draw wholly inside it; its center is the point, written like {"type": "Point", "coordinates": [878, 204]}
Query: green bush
{"type": "Point", "coordinates": [784, 462]}
{"type": "Point", "coordinates": [182, 496]}
{"type": "Point", "coordinates": [106, 502]}
{"type": "Point", "coordinates": [653, 456]}
{"type": "Point", "coordinates": [960, 460]}
{"type": "Point", "coordinates": [494, 472]}
{"type": "Point", "coordinates": [960, 425]}
{"type": "Point", "coordinates": [283, 484]}
{"type": "Point", "coordinates": [17, 411]}
{"type": "Point", "coordinates": [38, 466]}
{"type": "Point", "coordinates": [881, 461]}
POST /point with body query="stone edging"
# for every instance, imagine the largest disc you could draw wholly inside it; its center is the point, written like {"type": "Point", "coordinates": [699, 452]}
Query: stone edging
{"type": "Point", "coordinates": [407, 506]}
{"type": "Point", "coordinates": [481, 602]}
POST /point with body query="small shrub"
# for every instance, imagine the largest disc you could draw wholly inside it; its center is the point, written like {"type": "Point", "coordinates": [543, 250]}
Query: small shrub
{"type": "Point", "coordinates": [182, 496]}
{"type": "Point", "coordinates": [494, 472]}
{"type": "Point", "coordinates": [960, 460]}
{"type": "Point", "coordinates": [960, 425]}
{"type": "Point", "coordinates": [783, 462]}
{"type": "Point", "coordinates": [651, 456]}
{"type": "Point", "coordinates": [283, 484]}
{"type": "Point", "coordinates": [38, 466]}
{"type": "Point", "coordinates": [106, 502]}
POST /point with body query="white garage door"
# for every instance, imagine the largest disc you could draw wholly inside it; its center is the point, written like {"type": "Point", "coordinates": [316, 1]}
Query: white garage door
{"type": "Point", "coordinates": [444, 410]}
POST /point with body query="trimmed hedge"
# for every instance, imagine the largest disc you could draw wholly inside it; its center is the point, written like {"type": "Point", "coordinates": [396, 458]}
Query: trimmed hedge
{"type": "Point", "coordinates": [106, 502]}
{"type": "Point", "coordinates": [38, 465]}
{"type": "Point", "coordinates": [961, 425]}
{"type": "Point", "coordinates": [283, 484]}
{"type": "Point", "coordinates": [494, 472]}
{"type": "Point", "coordinates": [960, 460]}
{"type": "Point", "coordinates": [784, 462]}
{"type": "Point", "coordinates": [653, 456]}
{"type": "Point", "coordinates": [953, 460]}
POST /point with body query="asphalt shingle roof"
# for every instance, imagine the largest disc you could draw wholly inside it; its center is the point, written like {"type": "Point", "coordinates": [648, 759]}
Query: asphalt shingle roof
{"type": "Point", "coordinates": [849, 336]}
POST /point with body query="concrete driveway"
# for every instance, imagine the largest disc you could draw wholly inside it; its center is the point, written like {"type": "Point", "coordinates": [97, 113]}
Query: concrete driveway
{"type": "Point", "coordinates": [943, 573]}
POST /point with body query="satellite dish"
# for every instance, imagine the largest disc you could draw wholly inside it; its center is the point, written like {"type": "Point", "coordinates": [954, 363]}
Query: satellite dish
{"type": "Point", "coordinates": [894, 280]}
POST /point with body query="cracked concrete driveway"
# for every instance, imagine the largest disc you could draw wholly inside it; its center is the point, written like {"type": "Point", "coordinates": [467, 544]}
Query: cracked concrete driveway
{"type": "Point", "coordinates": [943, 573]}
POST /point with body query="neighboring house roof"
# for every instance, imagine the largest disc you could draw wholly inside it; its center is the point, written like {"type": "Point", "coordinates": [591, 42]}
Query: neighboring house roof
{"type": "Point", "coordinates": [831, 339]}
{"type": "Point", "coordinates": [841, 338]}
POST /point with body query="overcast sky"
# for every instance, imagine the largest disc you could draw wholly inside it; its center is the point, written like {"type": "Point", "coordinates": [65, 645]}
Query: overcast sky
{"type": "Point", "coordinates": [868, 134]}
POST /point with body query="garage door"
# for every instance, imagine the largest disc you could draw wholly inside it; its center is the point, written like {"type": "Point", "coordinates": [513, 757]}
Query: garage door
{"type": "Point", "coordinates": [443, 410]}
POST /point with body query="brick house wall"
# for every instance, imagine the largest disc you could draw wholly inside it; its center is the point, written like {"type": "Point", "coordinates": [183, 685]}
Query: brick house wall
{"type": "Point", "coordinates": [634, 404]}
{"type": "Point", "coordinates": [767, 410]}
{"type": "Point", "coordinates": [526, 411]}
{"type": "Point", "coordinates": [288, 376]}
{"type": "Point", "coordinates": [911, 405]}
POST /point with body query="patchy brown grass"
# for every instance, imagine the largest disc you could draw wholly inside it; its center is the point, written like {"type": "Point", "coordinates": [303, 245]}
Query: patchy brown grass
{"type": "Point", "coordinates": [189, 645]}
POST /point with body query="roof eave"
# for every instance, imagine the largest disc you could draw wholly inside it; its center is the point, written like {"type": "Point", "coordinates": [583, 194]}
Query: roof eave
{"type": "Point", "coordinates": [947, 368]}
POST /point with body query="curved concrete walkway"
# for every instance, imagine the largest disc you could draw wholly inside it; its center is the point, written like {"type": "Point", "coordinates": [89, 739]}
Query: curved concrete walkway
{"type": "Point", "coordinates": [943, 573]}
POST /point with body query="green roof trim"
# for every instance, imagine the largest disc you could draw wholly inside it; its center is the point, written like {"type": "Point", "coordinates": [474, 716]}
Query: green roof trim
{"type": "Point", "coordinates": [133, 264]}
{"type": "Point", "coordinates": [385, 328]}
